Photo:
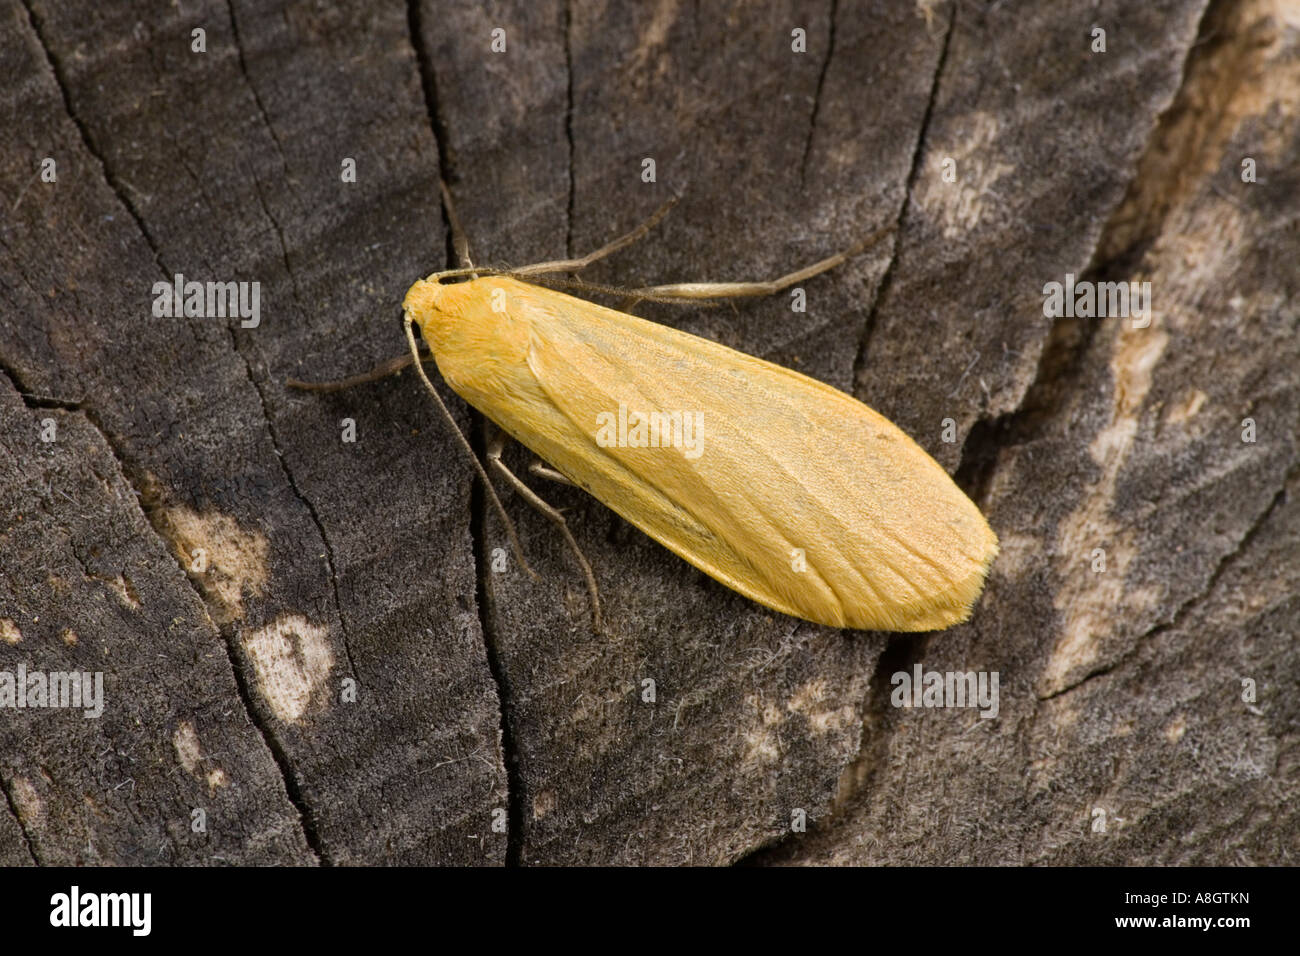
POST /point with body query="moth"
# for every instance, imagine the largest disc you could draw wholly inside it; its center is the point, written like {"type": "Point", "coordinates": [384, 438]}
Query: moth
{"type": "Point", "coordinates": [784, 489]}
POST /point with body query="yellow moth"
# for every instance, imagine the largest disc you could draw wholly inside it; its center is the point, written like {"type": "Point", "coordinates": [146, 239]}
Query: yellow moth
{"type": "Point", "coordinates": [784, 489]}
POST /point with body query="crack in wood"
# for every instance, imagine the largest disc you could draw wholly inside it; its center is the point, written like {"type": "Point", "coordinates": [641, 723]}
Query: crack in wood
{"type": "Point", "coordinates": [886, 280]}
{"type": "Point", "coordinates": [433, 108]}
{"type": "Point", "coordinates": [817, 94]}
{"type": "Point", "coordinates": [478, 505]}
{"type": "Point", "coordinates": [1068, 340]}
{"type": "Point", "coordinates": [252, 88]}
{"type": "Point", "coordinates": [114, 184]}
{"type": "Point", "coordinates": [148, 510]}
{"type": "Point", "coordinates": [909, 646]}
{"type": "Point", "coordinates": [496, 664]}
{"type": "Point", "coordinates": [6, 788]}
{"type": "Point", "coordinates": [292, 790]}
{"type": "Point", "coordinates": [1176, 619]}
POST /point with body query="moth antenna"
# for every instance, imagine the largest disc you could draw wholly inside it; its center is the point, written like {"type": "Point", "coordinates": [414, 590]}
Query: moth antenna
{"type": "Point", "coordinates": [622, 242]}
{"type": "Point", "coordinates": [459, 243]}
{"type": "Point", "coordinates": [478, 466]}
{"type": "Point", "coordinates": [380, 371]}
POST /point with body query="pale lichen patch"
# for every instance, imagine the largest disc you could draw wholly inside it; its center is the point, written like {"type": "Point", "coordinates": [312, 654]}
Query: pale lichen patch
{"type": "Point", "coordinates": [125, 590]}
{"type": "Point", "coordinates": [186, 743]}
{"type": "Point", "coordinates": [291, 659]}
{"type": "Point", "coordinates": [28, 803]}
{"type": "Point", "coordinates": [9, 632]}
{"type": "Point", "coordinates": [1186, 408]}
{"type": "Point", "coordinates": [962, 176]}
{"type": "Point", "coordinates": [1176, 728]}
{"type": "Point", "coordinates": [1018, 554]}
{"type": "Point", "coordinates": [761, 737]}
{"type": "Point", "coordinates": [225, 561]}
{"type": "Point", "coordinates": [809, 701]}
{"type": "Point", "coordinates": [1092, 600]}
{"type": "Point", "coordinates": [653, 39]}
{"type": "Point", "coordinates": [543, 804]}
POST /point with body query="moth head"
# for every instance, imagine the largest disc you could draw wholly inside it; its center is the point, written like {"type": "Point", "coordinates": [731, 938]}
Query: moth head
{"type": "Point", "coordinates": [423, 300]}
{"type": "Point", "coordinates": [436, 306]}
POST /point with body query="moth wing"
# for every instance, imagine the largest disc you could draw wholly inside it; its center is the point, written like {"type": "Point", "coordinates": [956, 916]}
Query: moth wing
{"type": "Point", "coordinates": [796, 495]}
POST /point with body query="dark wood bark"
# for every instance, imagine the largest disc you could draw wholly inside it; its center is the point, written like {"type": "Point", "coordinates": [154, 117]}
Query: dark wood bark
{"type": "Point", "coordinates": [490, 724]}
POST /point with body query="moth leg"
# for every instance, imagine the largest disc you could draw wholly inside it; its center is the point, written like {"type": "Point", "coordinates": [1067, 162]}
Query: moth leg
{"type": "Point", "coordinates": [537, 467]}
{"type": "Point", "coordinates": [494, 450]}
{"type": "Point", "coordinates": [382, 370]}
{"type": "Point", "coordinates": [497, 443]}
{"type": "Point", "coordinates": [575, 265]}
{"type": "Point", "coordinates": [409, 328]}
{"type": "Point", "coordinates": [694, 291]}
{"type": "Point", "coordinates": [543, 470]}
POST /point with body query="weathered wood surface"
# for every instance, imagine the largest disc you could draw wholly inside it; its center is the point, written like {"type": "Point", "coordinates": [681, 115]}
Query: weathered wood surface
{"type": "Point", "coordinates": [484, 698]}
